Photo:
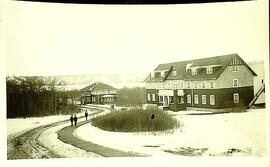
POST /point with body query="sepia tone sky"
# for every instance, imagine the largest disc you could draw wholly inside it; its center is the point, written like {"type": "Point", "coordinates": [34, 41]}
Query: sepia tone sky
{"type": "Point", "coordinates": [60, 39]}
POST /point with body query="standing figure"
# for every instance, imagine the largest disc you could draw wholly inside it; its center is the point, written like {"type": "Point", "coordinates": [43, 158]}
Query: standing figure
{"type": "Point", "coordinates": [71, 120]}
{"type": "Point", "coordinates": [86, 115]}
{"type": "Point", "coordinates": [75, 120]}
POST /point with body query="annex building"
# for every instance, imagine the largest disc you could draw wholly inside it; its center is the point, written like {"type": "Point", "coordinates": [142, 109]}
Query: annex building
{"type": "Point", "coordinates": [98, 93]}
{"type": "Point", "coordinates": [220, 83]}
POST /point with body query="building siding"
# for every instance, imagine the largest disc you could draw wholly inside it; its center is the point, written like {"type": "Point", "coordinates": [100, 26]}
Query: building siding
{"type": "Point", "coordinates": [244, 76]}
{"type": "Point", "coordinates": [223, 98]}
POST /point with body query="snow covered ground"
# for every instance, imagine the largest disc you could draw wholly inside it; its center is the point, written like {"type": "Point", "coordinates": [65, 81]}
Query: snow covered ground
{"type": "Point", "coordinates": [19, 125]}
{"type": "Point", "coordinates": [50, 140]}
{"type": "Point", "coordinates": [219, 134]}
{"type": "Point", "coordinates": [16, 126]}
{"type": "Point", "coordinates": [49, 137]}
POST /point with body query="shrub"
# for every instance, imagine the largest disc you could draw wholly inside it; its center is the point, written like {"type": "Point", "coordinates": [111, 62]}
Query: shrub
{"type": "Point", "coordinates": [136, 120]}
{"type": "Point", "coordinates": [239, 110]}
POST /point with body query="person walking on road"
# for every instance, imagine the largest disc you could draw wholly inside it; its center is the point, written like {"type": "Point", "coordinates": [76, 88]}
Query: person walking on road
{"type": "Point", "coordinates": [71, 120]}
{"type": "Point", "coordinates": [75, 120]}
{"type": "Point", "coordinates": [86, 115]}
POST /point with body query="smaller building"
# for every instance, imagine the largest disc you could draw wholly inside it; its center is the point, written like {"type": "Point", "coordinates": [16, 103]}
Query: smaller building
{"type": "Point", "coordinates": [98, 93]}
{"type": "Point", "coordinates": [259, 83]}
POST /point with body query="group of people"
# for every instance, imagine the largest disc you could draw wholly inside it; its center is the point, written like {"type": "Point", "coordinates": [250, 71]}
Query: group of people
{"type": "Point", "coordinates": [74, 118]}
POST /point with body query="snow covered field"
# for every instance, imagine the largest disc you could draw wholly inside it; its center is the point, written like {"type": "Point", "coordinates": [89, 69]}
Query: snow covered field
{"type": "Point", "coordinates": [50, 140]}
{"type": "Point", "coordinates": [19, 125]}
{"type": "Point", "coordinates": [219, 134]}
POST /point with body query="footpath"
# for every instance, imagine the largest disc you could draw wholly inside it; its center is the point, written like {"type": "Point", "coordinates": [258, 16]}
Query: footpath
{"type": "Point", "coordinates": [67, 136]}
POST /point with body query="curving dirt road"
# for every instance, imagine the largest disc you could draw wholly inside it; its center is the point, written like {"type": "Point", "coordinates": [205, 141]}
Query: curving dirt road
{"type": "Point", "coordinates": [27, 146]}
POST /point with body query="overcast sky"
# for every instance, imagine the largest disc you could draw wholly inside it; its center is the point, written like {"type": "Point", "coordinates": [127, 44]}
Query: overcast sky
{"type": "Point", "coordinates": [53, 39]}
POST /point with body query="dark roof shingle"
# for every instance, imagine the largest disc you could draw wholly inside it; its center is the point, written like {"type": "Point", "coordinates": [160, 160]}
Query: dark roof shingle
{"type": "Point", "coordinates": [180, 67]}
{"type": "Point", "coordinates": [97, 86]}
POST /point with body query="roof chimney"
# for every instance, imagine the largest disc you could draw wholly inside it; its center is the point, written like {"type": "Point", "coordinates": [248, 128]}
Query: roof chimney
{"type": "Point", "coordinates": [188, 66]}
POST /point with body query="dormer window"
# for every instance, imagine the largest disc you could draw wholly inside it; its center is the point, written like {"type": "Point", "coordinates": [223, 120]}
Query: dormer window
{"type": "Point", "coordinates": [193, 71]}
{"type": "Point", "coordinates": [157, 74]}
{"type": "Point", "coordinates": [174, 73]}
{"type": "Point", "coordinates": [209, 70]}
{"type": "Point", "coordinates": [162, 73]}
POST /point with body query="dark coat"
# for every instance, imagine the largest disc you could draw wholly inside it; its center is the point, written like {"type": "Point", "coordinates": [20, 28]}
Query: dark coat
{"type": "Point", "coordinates": [71, 119]}
{"type": "Point", "coordinates": [75, 119]}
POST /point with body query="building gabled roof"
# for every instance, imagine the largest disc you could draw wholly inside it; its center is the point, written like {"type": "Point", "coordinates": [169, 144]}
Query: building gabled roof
{"type": "Point", "coordinates": [97, 86]}
{"type": "Point", "coordinates": [219, 62]}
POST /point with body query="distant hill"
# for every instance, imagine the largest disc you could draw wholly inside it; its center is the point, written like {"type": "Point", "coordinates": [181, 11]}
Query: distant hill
{"type": "Point", "coordinates": [116, 80]}
{"type": "Point", "coordinates": [70, 82]}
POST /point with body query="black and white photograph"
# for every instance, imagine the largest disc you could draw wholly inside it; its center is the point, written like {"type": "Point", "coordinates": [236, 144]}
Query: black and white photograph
{"type": "Point", "coordinates": [98, 82]}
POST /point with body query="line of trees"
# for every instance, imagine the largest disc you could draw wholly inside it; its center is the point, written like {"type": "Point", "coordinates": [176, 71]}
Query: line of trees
{"type": "Point", "coordinates": [131, 96]}
{"type": "Point", "coordinates": [32, 96]}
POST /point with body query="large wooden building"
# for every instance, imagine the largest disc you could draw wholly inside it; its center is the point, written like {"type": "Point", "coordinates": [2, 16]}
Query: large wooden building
{"type": "Point", "coordinates": [217, 83]}
{"type": "Point", "coordinates": [98, 93]}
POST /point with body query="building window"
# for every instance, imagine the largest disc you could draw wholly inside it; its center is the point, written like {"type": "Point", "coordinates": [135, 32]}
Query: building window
{"type": "Point", "coordinates": [203, 84]}
{"type": "Point", "coordinates": [236, 98]}
{"type": "Point", "coordinates": [174, 73]}
{"type": "Point", "coordinates": [160, 98]}
{"type": "Point", "coordinates": [178, 85]}
{"type": "Point", "coordinates": [171, 99]}
{"type": "Point", "coordinates": [168, 85]}
{"type": "Point", "coordinates": [153, 97]}
{"type": "Point", "coordinates": [149, 97]}
{"type": "Point", "coordinates": [203, 99]}
{"type": "Point", "coordinates": [211, 84]}
{"type": "Point", "coordinates": [209, 70]}
{"type": "Point", "coordinates": [162, 73]}
{"type": "Point", "coordinates": [235, 82]}
{"type": "Point", "coordinates": [152, 75]}
{"type": "Point", "coordinates": [235, 68]}
{"type": "Point", "coordinates": [212, 99]}
{"type": "Point", "coordinates": [195, 85]}
{"type": "Point", "coordinates": [181, 99]}
{"type": "Point", "coordinates": [174, 85]}
{"type": "Point", "coordinates": [188, 98]}
{"type": "Point", "coordinates": [193, 71]}
{"type": "Point", "coordinates": [188, 84]}
{"type": "Point", "coordinates": [196, 99]}
{"type": "Point", "coordinates": [93, 98]}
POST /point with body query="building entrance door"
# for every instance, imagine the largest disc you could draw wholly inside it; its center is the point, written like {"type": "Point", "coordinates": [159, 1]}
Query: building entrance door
{"type": "Point", "coordinates": [166, 101]}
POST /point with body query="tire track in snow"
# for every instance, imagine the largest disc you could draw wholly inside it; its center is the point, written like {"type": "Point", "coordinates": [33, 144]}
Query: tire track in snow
{"type": "Point", "coordinates": [27, 146]}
